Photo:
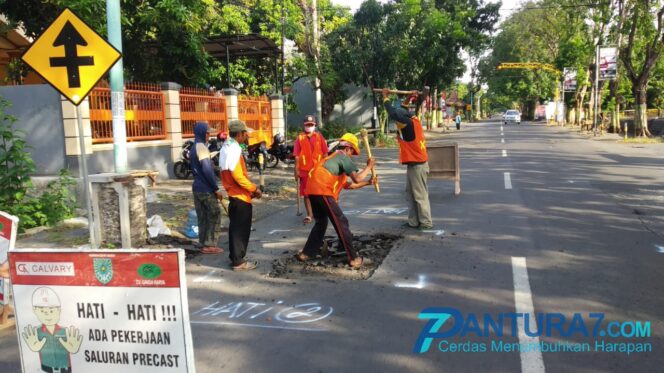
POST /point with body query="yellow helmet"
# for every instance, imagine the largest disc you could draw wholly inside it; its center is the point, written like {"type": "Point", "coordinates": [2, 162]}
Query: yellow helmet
{"type": "Point", "coordinates": [348, 139]}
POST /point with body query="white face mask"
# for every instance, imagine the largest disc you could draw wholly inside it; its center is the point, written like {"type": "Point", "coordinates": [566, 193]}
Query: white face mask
{"type": "Point", "coordinates": [309, 129]}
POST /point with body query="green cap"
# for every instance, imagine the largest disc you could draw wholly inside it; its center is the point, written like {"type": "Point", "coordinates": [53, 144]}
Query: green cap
{"type": "Point", "coordinates": [237, 125]}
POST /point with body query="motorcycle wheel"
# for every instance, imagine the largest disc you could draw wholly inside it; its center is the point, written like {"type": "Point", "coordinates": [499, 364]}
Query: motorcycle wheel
{"type": "Point", "coordinates": [271, 161]}
{"type": "Point", "coordinates": [181, 170]}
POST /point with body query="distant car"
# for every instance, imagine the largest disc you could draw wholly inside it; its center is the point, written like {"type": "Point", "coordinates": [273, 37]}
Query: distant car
{"type": "Point", "coordinates": [512, 116]}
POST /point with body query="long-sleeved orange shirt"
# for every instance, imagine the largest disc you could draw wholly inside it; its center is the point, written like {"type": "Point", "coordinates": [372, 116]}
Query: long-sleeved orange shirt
{"type": "Point", "coordinates": [234, 174]}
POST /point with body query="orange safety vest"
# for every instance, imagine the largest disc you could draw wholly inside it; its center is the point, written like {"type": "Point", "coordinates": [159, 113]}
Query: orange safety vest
{"type": "Point", "coordinates": [322, 183]}
{"type": "Point", "coordinates": [309, 157]}
{"type": "Point", "coordinates": [233, 189]}
{"type": "Point", "coordinates": [414, 151]}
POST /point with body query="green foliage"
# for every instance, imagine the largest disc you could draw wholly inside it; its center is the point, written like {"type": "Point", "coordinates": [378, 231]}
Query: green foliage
{"type": "Point", "coordinates": [336, 129]}
{"type": "Point", "coordinates": [16, 189]}
{"type": "Point", "coordinates": [57, 201]}
{"type": "Point", "coordinates": [382, 140]}
{"type": "Point", "coordinates": [15, 162]}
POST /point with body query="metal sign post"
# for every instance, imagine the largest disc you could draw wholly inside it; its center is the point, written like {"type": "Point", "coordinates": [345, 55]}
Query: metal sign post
{"type": "Point", "coordinates": [86, 182]}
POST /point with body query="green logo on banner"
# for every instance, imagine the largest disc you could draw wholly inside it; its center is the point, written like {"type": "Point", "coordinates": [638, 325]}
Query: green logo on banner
{"type": "Point", "coordinates": [103, 270]}
{"type": "Point", "coordinates": [149, 270]}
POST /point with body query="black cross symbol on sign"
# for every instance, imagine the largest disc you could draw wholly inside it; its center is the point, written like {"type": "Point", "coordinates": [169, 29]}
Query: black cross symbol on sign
{"type": "Point", "coordinates": [70, 38]}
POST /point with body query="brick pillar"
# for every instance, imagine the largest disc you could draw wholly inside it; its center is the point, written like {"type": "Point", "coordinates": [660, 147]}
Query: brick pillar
{"type": "Point", "coordinates": [69, 121]}
{"type": "Point", "coordinates": [171, 93]}
{"type": "Point", "coordinates": [278, 122]}
{"type": "Point", "coordinates": [230, 95]}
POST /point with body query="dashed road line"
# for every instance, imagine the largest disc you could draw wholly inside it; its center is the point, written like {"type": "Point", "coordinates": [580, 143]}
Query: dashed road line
{"type": "Point", "coordinates": [504, 153]}
{"type": "Point", "coordinates": [508, 180]}
{"type": "Point", "coordinates": [531, 361]}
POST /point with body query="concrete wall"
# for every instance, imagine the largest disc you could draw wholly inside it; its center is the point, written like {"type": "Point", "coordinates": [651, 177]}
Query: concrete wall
{"type": "Point", "coordinates": [39, 114]}
{"type": "Point", "coordinates": [156, 158]}
{"type": "Point", "coordinates": [355, 111]}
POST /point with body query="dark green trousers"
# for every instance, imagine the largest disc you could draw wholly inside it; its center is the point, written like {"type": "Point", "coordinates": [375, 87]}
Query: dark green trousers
{"type": "Point", "coordinates": [209, 215]}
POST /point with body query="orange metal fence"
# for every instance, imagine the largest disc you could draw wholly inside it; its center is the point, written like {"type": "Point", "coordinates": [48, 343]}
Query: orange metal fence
{"type": "Point", "coordinates": [202, 105]}
{"type": "Point", "coordinates": [144, 113]}
{"type": "Point", "coordinates": [256, 112]}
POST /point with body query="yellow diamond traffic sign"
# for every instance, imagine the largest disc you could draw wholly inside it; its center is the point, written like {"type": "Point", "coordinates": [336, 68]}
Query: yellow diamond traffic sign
{"type": "Point", "coordinates": [71, 56]}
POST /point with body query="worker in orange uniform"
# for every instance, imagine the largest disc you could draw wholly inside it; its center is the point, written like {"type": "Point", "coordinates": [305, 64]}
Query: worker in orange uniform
{"type": "Point", "coordinates": [326, 180]}
{"type": "Point", "coordinates": [310, 148]}
{"type": "Point", "coordinates": [240, 191]}
{"type": "Point", "coordinates": [413, 154]}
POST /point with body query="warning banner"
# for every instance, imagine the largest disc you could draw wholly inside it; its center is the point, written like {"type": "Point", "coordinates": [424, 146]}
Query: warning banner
{"type": "Point", "coordinates": [102, 311]}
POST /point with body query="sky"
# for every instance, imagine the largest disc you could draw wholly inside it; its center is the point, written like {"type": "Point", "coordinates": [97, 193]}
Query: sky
{"type": "Point", "coordinates": [508, 7]}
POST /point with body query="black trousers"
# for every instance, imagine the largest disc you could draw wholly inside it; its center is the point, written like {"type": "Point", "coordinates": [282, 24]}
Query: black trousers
{"type": "Point", "coordinates": [326, 208]}
{"type": "Point", "coordinates": [239, 229]}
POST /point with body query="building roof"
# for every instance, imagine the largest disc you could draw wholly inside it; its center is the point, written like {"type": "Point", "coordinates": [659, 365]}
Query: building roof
{"type": "Point", "coordinates": [251, 45]}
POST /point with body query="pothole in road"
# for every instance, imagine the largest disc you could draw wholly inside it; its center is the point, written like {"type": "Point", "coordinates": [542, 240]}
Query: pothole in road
{"type": "Point", "coordinates": [332, 263]}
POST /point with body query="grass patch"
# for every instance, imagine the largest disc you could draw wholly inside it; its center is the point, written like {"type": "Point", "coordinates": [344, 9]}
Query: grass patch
{"type": "Point", "coordinates": [643, 140]}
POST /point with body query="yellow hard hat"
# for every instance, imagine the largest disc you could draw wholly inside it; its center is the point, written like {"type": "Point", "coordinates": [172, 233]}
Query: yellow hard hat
{"type": "Point", "coordinates": [348, 139]}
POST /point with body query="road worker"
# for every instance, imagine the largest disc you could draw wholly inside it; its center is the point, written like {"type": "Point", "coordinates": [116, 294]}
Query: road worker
{"type": "Point", "coordinates": [325, 182]}
{"type": "Point", "coordinates": [309, 148]}
{"type": "Point", "coordinates": [412, 153]}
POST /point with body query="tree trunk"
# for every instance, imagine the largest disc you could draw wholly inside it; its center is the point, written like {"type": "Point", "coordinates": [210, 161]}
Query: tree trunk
{"type": "Point", "coordinates": [641, 111]}
{"type": "Point", "coordinates": [579, 104]}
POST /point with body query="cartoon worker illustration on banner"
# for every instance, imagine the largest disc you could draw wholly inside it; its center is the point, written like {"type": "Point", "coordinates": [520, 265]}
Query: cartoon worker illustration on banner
{"type": "Point", "coordinates": [53, 342]}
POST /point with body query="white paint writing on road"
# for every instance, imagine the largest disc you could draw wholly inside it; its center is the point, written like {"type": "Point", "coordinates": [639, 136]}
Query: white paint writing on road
{"type": "Point", "coordinates": [377, 211]}
{"type": "Point", "coordinates": [508, 180]}
{"type": "Point", "coordinates": [421, 283]}
{"type": "Point", "coordinates": [207, 277]}
{"type": "Point", "coordinates": [660, 249]}
{"type": "Point", "coordinates": [274, 315]}
{"type": "Point", "coordinates": [531, 361]}
{"type": "Point", "coordinates": [279, 230]}
{"type": "Point", "coordinates": [438, 232]}
{"type": "Point", "coordinates": [504, 153]}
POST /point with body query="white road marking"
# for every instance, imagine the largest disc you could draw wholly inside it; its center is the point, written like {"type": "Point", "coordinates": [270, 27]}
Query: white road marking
{"type": "Point", "coordinates": [502, 141]}
{"type": "Point", "coordinates": [508, 180]}
{"type": "Point", "coordinates": [279, 230]}
{"type": "Point", "coordinates": [660, 249]}
{"type": "Point", "coordinates": [207, 279]}
{"type": "Point", "coordinates": [531, 361]}
{"type": "Point", "coordinates": [438, 232]}
{"type": "Point", "coordinates": [421, 283]}
{"type": "Point", "coordinates": [504, 153]}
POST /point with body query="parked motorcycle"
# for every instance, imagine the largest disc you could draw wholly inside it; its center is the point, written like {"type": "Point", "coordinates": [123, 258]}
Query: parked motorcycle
{"type": "Point", "coordinates": [182, 168]}
{"type": "Point", "coordinates": [251, 155]}
{"type": "Point", "coordinates": [279, 151]}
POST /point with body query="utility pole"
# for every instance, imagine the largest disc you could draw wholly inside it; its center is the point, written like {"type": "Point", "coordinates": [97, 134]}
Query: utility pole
{"type": "Point", "coordinates": [283, 48]}
{"type": "Point", "coordinates": [117, 88]}
{"type": "Point", "coordinates": [316, 42]}
{"type": "Point", "coordinates": [596, 89]}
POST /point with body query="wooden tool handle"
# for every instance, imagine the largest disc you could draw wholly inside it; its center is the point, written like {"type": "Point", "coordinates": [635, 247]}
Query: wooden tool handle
{"type": "Point", "coordinates": [365, 139]}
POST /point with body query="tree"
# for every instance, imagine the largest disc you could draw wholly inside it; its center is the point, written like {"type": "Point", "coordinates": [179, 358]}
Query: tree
{"type": "Point", "coordinates": [644, 27]}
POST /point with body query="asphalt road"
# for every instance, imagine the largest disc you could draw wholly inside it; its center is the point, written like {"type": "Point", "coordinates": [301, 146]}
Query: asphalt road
{"type": "Point", "coordinates": [548, 221]}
